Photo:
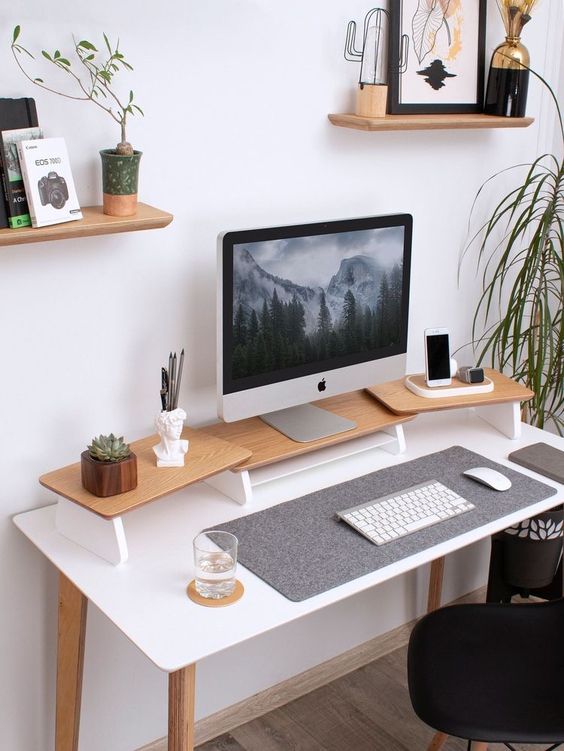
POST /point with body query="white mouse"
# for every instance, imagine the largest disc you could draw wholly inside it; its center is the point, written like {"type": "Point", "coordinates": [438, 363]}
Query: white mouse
{"type": "Point", "coordinates": [490, 477]}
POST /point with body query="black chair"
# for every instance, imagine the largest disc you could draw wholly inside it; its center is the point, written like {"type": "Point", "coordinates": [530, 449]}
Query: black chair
{"type": "Point", "coordinates": [491, 672]}
{"type": "Point", "coordinates": [527, 559]}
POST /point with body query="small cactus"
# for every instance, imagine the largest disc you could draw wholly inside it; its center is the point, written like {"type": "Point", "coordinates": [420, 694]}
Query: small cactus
{"type": "Point", "coordinates": [108, 448]}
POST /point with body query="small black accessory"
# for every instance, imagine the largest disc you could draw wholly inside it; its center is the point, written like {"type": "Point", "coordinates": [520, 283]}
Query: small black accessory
{"type": "Point", "coordinates": [470, 374]}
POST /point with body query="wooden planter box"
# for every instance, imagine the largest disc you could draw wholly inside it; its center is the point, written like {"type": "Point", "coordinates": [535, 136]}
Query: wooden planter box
{"type": "Point", "coordinates": [108, 478]}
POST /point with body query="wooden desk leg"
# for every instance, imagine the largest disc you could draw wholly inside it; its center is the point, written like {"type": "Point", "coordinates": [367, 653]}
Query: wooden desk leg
{"type": "Point", "coordinates": [434, 602]}
{"type": "Point", "coordinates": [70, 660]}
{"type": "Point", "coordinates": [181, 695]}
{"type": "Point", "coordinates": [439, 739]}
{"type": "Point", "coordinates": [435, 584]}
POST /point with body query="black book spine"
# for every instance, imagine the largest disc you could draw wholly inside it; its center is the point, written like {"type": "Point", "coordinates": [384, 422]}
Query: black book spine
{"type": "Point", "coordinates": [3, 210]}
{"type": "Point", "coordinates": [31, 112]}
{"type": "Point", "coordinates": [14, 113]}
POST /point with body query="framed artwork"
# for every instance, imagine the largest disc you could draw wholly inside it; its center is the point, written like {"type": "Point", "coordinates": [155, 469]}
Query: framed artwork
{"type": "Point", "coordinates": [437, 56]}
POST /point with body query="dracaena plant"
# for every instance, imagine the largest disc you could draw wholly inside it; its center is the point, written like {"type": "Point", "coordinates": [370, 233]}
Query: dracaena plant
{"type": "Point", "coordinates": [518, 323]}
{"type": "Point", "coordinates": [93, 75]}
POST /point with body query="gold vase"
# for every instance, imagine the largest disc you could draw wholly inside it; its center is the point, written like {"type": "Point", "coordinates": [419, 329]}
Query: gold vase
{"type": "Point", "coordinates": [508, 80]}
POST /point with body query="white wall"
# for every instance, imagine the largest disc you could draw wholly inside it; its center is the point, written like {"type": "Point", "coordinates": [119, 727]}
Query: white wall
{"type": "Point", "coordinates": [236, 94]}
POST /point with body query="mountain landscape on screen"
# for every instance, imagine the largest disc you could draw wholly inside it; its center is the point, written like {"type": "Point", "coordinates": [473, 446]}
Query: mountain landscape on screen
{"type": "Point", "coordinates": [279, 323]}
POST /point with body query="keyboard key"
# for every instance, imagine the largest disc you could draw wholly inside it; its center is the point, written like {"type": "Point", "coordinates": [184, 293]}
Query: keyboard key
{"type": "Point", "coordinates": [421, 523]}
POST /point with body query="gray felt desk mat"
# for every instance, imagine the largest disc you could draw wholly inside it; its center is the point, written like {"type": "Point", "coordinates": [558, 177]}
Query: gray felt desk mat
{"type": "Point", "coordinates": [301, 549]}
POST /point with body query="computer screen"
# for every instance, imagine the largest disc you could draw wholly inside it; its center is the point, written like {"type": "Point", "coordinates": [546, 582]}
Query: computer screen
{"type": "Point", "coordinates": [322, 302]}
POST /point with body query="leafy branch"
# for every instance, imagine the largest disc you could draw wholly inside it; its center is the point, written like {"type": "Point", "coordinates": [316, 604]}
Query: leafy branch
{"type": "Point", "coordinates": [94, 82]}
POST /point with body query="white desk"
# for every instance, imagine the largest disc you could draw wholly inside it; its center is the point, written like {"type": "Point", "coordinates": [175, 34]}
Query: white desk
{"type": "Point", "coordinates": [145, 597]}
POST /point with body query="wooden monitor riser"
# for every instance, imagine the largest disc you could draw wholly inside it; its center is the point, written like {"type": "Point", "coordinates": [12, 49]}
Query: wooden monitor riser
{"type": "Point", "coordinates": [268, 446]}
{"type": "Point", "coordinates": [274, 456]}
{"type": "Point", "coordinates": [500, 407]}
{"type": "Point", "coordinates": [215, 455]}
{"type": "Point", "coordinates": [206, 456]}
{"type": "Point", "coordinates": [96, 523]}
{"type": "Point", "coordinates": [397, 398]}
{"type": "Point", "coordinates": [236, 458]}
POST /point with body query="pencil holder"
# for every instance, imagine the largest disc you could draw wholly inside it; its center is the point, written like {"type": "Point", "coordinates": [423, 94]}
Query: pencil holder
{"type": "Point", "coordinates": [171, 450]}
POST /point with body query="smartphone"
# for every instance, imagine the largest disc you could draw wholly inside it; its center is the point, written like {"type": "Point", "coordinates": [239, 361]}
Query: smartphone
{"type": "Point", "coordinates": [437, 358]}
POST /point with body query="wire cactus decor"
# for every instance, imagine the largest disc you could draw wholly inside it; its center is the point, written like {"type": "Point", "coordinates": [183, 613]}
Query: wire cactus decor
{"type": "Point", "coordinates": [373, 53]}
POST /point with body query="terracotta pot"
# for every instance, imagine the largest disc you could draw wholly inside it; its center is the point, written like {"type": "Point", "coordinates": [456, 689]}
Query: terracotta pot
{"type": "Point", "coordinates": [108, 478]}
{"type": "Point", "coordinates": [120, 176]}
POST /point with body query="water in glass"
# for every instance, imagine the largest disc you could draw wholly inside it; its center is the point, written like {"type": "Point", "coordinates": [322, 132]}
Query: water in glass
{"type": "Point", "coordinates": [215, 575]}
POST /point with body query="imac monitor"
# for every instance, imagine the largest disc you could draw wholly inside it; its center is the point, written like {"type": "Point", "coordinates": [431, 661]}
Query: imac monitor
{"type": "Point", "coordinates": [307, 312]}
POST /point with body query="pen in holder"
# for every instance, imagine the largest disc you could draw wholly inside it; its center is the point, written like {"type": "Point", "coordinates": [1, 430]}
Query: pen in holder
{"type": "Point", "coordinates": [171, 449]}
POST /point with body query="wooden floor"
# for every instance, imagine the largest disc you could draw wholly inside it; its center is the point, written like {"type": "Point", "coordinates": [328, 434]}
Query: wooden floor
{"type": "Point", "coordinates": [367, 710]}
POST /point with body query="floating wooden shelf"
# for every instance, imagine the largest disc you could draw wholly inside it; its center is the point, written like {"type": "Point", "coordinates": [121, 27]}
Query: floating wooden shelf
{"type": "Point", "coordinates": [429, 122]}
{"type": "Point", "coordinates": [206, 456]}
{"type": "Point", "coordinates": [95, 222]}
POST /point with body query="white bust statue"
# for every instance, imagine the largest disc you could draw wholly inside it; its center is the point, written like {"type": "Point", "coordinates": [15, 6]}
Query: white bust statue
{"type": "Point", "coordinates": [171, 449]}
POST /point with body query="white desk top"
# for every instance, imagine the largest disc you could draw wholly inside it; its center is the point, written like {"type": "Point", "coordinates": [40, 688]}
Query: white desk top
{"type": "Point", "coordinates": [145, 597]}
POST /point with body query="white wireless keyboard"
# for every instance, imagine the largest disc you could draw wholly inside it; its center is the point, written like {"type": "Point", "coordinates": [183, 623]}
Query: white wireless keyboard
{"type": "Point", "coordinates": [398, 514]}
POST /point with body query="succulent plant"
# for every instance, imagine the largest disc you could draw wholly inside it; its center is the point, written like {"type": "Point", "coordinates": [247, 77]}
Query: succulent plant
{"type": "Point", "coordinates": [108, 448]}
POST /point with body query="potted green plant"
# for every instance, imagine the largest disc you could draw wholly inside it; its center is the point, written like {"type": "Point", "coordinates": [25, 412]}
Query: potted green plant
{"type": "Point", "coordinates": [94, 81]}
{"type": "Point", "coordinates": [519, 322]}
{"type": "Point", "coordinates": [108, 466]}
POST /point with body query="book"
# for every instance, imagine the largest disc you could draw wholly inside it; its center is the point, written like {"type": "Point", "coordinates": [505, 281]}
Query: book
{"type": "Point", "coordinates": [541, 458]}
{"type": "Point", "coordinates": [14, 190]}
{"type": "Point", "coordinates": [15, 113]}
{"type": "Point", "coordinates": [18, 113]}
{"type": "Point", "coordinates": [48, 181]}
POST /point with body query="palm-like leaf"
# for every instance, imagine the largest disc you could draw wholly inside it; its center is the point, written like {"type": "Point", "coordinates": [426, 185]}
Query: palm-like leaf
{"type": "Point", "coordinates": [518, 324]}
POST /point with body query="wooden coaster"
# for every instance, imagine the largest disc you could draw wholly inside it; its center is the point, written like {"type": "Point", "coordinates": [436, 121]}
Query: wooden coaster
{"type": "Point", "coordinates": [220, 602]}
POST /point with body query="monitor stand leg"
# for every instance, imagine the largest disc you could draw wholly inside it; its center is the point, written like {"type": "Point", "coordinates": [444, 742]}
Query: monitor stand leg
{"type": "Point", "coordinates": [505, 417]}
{"type": "Point", "coordinates": [398, 446]}
{"type": "Point", "coordinates": [104, 537]}
{"type": "Point", "coordinates": [235, 485]}
{"type": "Point", "coordinates": [306, 423]}
{"type": "Point", "coordinates": [240, 484]}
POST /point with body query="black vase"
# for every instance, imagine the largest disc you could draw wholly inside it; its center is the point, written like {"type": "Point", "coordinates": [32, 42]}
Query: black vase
{"type": "Point", "coordinates": [508, 80]}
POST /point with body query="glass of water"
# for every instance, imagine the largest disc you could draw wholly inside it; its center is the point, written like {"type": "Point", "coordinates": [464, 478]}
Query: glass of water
{"type": "Point", "coordinates": [215, 559]}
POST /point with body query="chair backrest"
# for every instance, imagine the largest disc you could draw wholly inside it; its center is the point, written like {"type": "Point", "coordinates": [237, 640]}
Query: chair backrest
{"type": "Point", "coordinates": [490, 671]}
{"type": "Point", "coordinates": [532, 550]}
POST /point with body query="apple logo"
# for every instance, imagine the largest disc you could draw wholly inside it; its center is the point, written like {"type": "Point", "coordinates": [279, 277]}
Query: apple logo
{"type": "Point", "coordinates": [321, 386]}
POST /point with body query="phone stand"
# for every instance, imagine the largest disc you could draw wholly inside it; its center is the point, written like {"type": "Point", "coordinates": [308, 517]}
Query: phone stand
{"type": "Point", "coordinates": [417, 385]}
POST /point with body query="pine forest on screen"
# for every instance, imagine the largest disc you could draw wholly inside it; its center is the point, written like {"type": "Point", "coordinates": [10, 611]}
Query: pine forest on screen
{"type": "Point", "coordinates": [307, 300]}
